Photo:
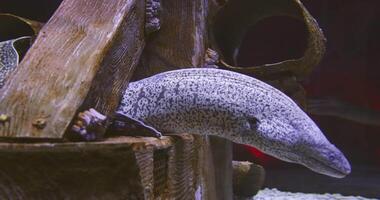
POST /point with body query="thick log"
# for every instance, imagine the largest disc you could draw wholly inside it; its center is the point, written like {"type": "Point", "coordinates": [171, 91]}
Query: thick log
{"type": "Point", "coordinates": [86, 46]}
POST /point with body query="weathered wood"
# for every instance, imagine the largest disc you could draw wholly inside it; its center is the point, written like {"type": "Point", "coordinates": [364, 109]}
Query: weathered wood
{"type": "Point", "coordinates": [121, 169]}
{"type": "Point", "coordinates": [181, 168]}
{"type": "Point", "coordinates": [221, 150]}
{"type": "Point", "coordinates": [86, 46]}
{"type": "Point", "coordinates": [206, 174]}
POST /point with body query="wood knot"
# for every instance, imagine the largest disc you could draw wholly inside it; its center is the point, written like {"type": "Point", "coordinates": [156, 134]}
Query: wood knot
{"type": "Point", "coordinates": [39, 123]}
{"type": "Point", "coordinates": [4, 118]}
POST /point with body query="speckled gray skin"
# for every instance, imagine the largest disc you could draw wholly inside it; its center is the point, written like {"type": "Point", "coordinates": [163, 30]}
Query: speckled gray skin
{"type": "Point", "coordinates": [234, 106]}
{"type": "Point", "coordinates": [9, 57]}
{"type": "Point", "coordinates": [8, 60]}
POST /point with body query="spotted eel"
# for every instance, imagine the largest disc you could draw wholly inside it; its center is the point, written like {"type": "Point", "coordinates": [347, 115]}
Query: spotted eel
{"type": "Point", "coordinates": [234, 106]}
{"type": "Point", "coordinates": [222, 103]}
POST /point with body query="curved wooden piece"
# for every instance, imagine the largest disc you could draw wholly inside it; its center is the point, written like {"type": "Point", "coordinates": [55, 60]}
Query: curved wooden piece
{"type": "Point", "coordinates": [247, 13]}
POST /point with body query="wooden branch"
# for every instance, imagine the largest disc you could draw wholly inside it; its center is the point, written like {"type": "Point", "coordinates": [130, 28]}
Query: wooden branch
{"type": "Point", "coordinates": [82, 58]}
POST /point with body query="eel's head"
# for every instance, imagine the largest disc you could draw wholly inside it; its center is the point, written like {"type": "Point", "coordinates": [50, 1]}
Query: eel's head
{"type": "Point", "coordinates": [299, 140]}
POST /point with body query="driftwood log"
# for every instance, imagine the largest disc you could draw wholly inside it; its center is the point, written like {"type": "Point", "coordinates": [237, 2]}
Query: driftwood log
{"type": "Point", "coordinates": [83, 57]}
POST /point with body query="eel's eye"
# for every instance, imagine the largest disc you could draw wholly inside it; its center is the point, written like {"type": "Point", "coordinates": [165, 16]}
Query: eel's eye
{"type": "Point", "coordinates": [253, 122]}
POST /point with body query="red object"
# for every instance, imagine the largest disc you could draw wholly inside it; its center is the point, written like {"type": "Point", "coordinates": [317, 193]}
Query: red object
{"type": "Point", "coordinates": [262, 158]}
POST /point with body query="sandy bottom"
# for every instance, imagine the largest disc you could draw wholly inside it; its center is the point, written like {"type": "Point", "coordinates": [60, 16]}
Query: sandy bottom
{"type": "Point", "coordinates": [274, 194]}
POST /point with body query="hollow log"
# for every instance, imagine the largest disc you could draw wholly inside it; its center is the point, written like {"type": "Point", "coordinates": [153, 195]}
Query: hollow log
{"type": "Point", "coordinates": [82, 58]}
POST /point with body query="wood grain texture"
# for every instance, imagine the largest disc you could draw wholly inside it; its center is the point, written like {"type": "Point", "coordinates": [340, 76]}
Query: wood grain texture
{"type": "Point", "coordinates": [181, 169]}
{"type": "Point", "coordinates": [206, 174]}
{"type": "Point", "coordinates": [221, 150]}
{"type": "Point", "coordinates": [144, 159]}
{"type": "Point", "coordinates": [121, 169]}
{"type": "Point", "coordinates": [117, 168]}
{"type": "Point", "coordinates": [83, 57]}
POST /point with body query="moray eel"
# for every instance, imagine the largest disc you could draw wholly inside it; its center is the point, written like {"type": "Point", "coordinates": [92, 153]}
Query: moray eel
{"type": "Point", "coordinates": [233, 106]}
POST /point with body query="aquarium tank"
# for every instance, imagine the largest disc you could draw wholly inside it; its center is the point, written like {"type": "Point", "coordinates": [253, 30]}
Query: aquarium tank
{"type": "Point", "coordinates": [190, 99]}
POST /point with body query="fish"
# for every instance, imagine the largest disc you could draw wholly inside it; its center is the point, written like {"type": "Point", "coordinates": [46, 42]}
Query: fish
{"type": "Point", "coordinates": [240, 108]}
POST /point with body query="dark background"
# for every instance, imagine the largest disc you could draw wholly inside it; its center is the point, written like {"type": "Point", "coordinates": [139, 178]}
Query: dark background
{"type": "Point", "coordinates": [350, 71]}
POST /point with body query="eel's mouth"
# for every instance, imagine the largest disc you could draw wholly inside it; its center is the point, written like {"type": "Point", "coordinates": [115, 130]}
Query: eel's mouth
{"type": "Point", "coordinates": [333, 170]}
{"type": "Point", "coordinates": [327, 160]}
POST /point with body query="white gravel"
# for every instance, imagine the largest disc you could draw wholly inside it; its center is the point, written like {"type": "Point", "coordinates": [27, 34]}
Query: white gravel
{"type": "Point", "coordinates": [274, 194]}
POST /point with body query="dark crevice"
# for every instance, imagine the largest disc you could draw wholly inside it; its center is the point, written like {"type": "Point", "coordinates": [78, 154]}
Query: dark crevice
{"type": "Point", "coordinates": [272, 40]}
{"type": "Point", "coordinates": [38, 10]}
{"type": "Point", "coordinates": [12, 28]}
